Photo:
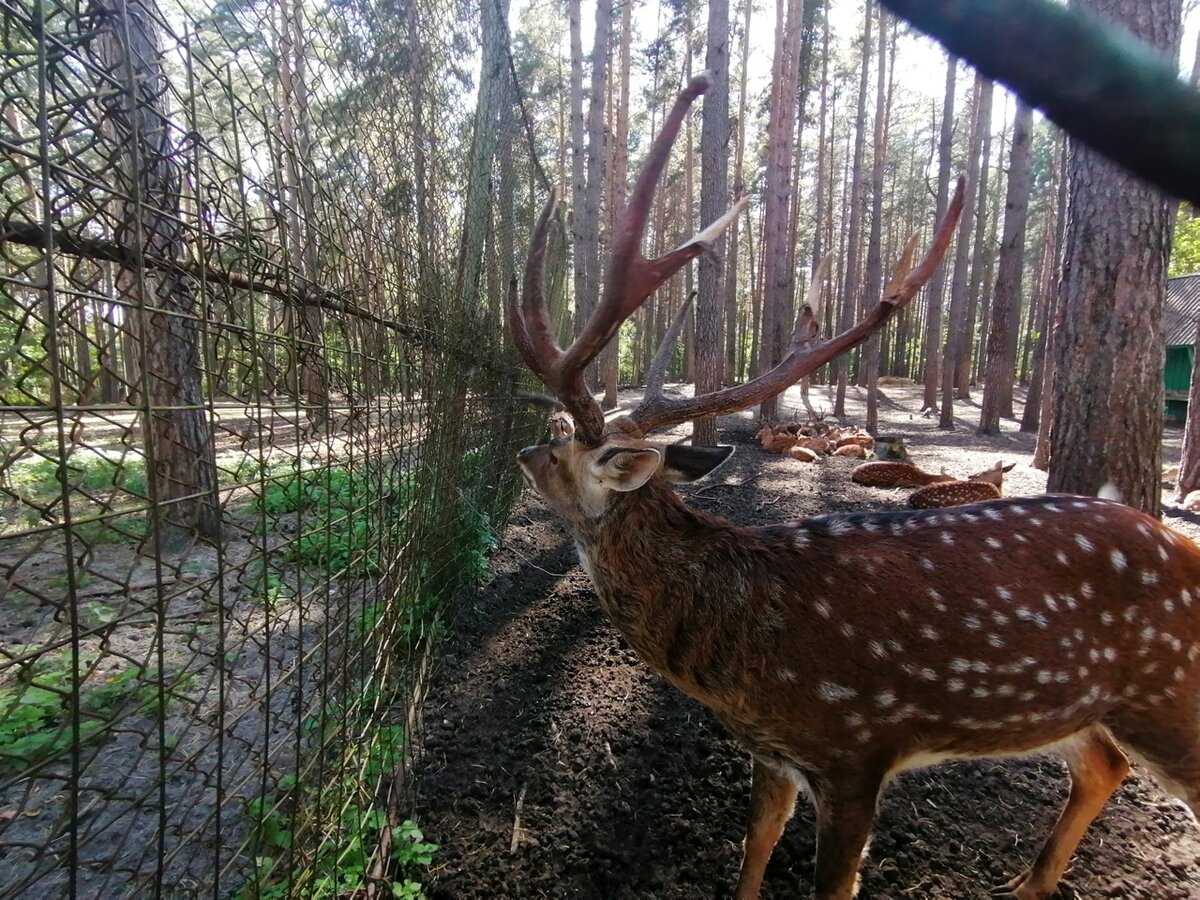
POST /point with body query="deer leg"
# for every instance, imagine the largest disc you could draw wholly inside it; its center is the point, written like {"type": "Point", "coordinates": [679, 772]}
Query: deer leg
{"type": "Point", "coordinates": [1097, 768]}
{"type": "Point", "coordinates": [845, 813]}
{"type": "Point", "coordinates": [772, 800]}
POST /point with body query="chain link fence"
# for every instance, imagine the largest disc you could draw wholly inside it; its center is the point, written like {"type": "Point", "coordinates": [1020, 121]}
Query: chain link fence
{"type": "Point", "coordinates": [256, 428]}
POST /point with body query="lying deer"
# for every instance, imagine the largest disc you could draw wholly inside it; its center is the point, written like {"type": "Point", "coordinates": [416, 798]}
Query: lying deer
{"type": "Point", "coordinates": [985, 485]}
{"type": "Point", "coordinates": [884, 474]}
{"type": "Point", "coordinates": [1080, 628]}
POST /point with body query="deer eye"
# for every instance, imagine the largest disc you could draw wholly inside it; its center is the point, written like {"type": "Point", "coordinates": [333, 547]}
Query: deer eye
{"type": "Point", "coordinates": [553, 459]}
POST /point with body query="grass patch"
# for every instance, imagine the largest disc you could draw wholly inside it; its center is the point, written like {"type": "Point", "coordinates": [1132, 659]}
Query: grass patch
{"type": "Point", "coordinates": [35, 706]}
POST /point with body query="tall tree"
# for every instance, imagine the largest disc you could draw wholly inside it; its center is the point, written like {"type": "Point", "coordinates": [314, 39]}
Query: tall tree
{"type": "Point", "coordinates": [874, 281]}
{"type": "Point", "coordinates": [932, 343]}
{"type": "Point", "coordinates": [714, 194]}
{"type": "Point", "coordinates": [982, 256]}
{"type": "Point", "coordinates": [579, 256]}
{"type": "Point", "coordinates": [781, 127]}
{"type": "Point", "coordinates": [610, 356]}
{"type": "Point", "coordinates": [163, 308]}
{"type": "Point", "coordinates": [589, 227]}
{"type": "Point", "coordinates": [1002, 335]}
{"type": "Point", "coordinates": [956, 325]}
{"type": "Point", "coordinates": [732, 344]}
{"type": "Point", "coordinates": [1031, 415]}
{"type": "Point", "coordinates": [1108, 389]}
{"type": "Point", "coordinates": [851, 283]}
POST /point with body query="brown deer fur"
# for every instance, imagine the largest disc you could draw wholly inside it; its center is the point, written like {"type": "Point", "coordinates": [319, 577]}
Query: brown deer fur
{"type": "Point", "coordinates": [999, 628]}
{"type": "Point", "coordinates": [981, 486]}
{"type": "Point", "coordinates": [895, 474]}
{"type": "Point", "coordinates": [1084, 631]}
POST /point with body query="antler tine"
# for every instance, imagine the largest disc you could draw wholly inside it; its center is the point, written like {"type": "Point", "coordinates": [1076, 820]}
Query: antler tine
{"type": "Point", "coordinates": [808, 322]}
{"type": "Point", "coordinates": [631, 278]}
{"type": "Point", "coordinates": [801, 360]}
{"type": "Point", "coordinates": [530, 323]}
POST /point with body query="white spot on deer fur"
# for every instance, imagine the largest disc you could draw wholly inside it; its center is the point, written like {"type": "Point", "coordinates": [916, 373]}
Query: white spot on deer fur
{"type": "Point", "coordinates": [1045, 676]}
{"type": "Point", "coordinates": [870, 527]}
{"type": "Point", "coordinates": [840, 527]}
{"type": "Point", "coordinates": [1186, 596]}
{"type": "Point", "coordinates": [928, 674]}
{"type": "Point", "coordinates": [981, 667]}
{"type": "Point", "coordinates": [847, 630]}
{"type": "Point", "coordinates": [987, 558]}
{"type": "Point", "coordinates": [980, 692]}
{"type": "Point", "coordinates": [905, 615]}
{"type": "Point", "coordinates": [854, 720]}
{"type": "Point", "coordinates": [1110, 654]}
{"type": "Point", "coordinates": [1082, 671]}
{"type": "Point", "coordinates": [1026, 696]}
{"type": "Point", "coordinates": [1050, 507]}
{"type": "Point", "coordinates": [895, 646]}
{"type": "Point", "coordinates": [898, 529]}
{"type": "Point", "coordinates": [801, 539]}
{"type": "Point", "coordinates": [1176, 643]}
{"type": "Point", "coordinates": [785, 674]}
{"type": "Point", "coordinates": [995, 640]}
{"type": "Point", "coordinates": [1051, 603]}
{"type": "Point", "coordinates": [1017, 510]}
{"type": "Point", "coordinates": [1131, 613]}
{"type": "Point", "coordinates": [1169, 605]}
{"type": "Point", "coordinates": [1000, 618]}
{"type": "Point", "coordinates": [960, 665]}
{"type": "Point", "coordinates": [1149, 576]}
{"type": "Point", "coordinates": [1170, 535]}
{"type": "Point", "coordinates": [929, 632]}
{"type": "Point", "coordinates": [1062, 677]}
{"type": "Point", "coordinates": [1035, 521]}
{"type": "Point", "coordinates": [1020, 538]}
{"type": "Point", "coordinates": [1084, 544]}
{"type": "Point", "coordinates": [1144, 529]}
{"type": "Point", "coordinates": [980, 602]}
{"type": "Point", "coordinates": [1004, 593]}
{"type": "Point", "coordinates": [885, 698]}
{"type": "Point", "coordinates": [972, 622]}
{"type": "Point", "coordinates": [1162, 553]}
{"type": "Point", "coordinates": [1005, 690]}
{"type": "Point", "coordinates": [954, 685]}
{"type": "Point", "coordinates": [1094, 655]}
{"type": "Point", "coordinates": [1193, 652]}
{"type": "Point", "coordinates": [1030, 615]}
{"type": "Point", "coordinates": [1118, 560]}
{"type": "Point", "coordinates": [822, 609]}
{"type": "Point", "coordinates": [1179, 673]}
{"type": "Point", "coordinates": [1148, 633]}
{"type": "Point", "coordinates": [1062, 558]}
{"type": "Point", "coordinates": [1108, 618]}
{"type": "Point", "coordinates": [994, 543]}
{"type": "Point", "coordinates": [947, 537]}
{"type": "Point", "coordinates": [1068, 599]}
{"type": "Point", "coordinates": [994, 514]}
{"type": "Point", "coordinates": [1064, 642]}
{"type": "Point", "coordinates": [1087, 590]}
{"type": "Point", "coordinates": [863, 735]}
{"type": "Point", "coordinates": [927, 564]}
{"type": "Point", "coordinates": [876, 649]}
{"type": "Point", "coordinates": [831, 691]}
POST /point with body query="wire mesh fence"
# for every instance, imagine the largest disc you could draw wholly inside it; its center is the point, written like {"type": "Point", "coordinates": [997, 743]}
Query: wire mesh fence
{"type": "Point", "coordinates": [256, 425]}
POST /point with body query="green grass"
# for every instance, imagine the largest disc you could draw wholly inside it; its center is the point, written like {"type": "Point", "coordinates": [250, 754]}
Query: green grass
{"type": "Point", "coordinates": [35, 712]}
{"type": "Point", "coordinates": [345, 844]}
{"type": "Point", "coordinates": [89, 471]}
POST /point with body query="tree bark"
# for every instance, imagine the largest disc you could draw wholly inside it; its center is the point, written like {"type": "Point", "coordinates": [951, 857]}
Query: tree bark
{"type": "Point", "coordinates": [714, 195]}
{"type": "Point", "coordinates": [956, 326]}
{"type": "Point", "coordinates": [1189, 456]}
{"type": "Point", "coordinates": [777, 275]}
{"type": "Point", "coordinates": [932, 343]}
{"type": "Point", "coordinates": [1108, 394]}
{"type": "Point", "coordinates": [1006, 299]}
{"type": "Point", "coordinates": [982, 255]}
{"type": "Point", "coordinates": [166, 358]}
{"type": "Point", "coordinates": [874, 282]}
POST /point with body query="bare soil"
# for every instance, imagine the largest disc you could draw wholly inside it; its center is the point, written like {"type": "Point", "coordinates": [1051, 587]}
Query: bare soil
{"type": "Point", "coordinates": [556, 765]}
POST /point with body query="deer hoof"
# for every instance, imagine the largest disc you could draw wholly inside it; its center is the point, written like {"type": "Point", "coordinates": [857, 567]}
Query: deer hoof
{"type": "Point", "coordinates": [1022, 887]}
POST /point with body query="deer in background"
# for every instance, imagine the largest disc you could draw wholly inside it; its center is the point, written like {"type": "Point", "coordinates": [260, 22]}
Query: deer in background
{"type": "Point", "coordinates": [985, 485]}
{"type": "Point", "coordinates": [1079, 630]}
{"type": "Point", "coordinates": [885, 474]}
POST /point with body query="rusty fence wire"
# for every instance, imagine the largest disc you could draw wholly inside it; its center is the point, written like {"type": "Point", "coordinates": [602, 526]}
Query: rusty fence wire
{"type": "Point", "coordinates": [256, 428]}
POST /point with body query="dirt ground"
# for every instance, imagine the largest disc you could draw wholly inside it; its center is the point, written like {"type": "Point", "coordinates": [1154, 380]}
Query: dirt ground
{"type": "Point", "coordinates": [557, 765]}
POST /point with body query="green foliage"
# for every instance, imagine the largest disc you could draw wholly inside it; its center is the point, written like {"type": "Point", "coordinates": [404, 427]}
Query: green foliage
{"type": "Point", "coordinates": [346, 846]}
{"type": "Point", "coordinates": [1185, 252]}
{"type": "Point", "coordinates": [40, 479]}
{"type": "Point", "coordinates": [35, 710]}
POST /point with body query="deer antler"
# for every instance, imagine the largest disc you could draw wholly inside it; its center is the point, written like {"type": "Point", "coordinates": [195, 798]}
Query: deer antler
{"type": "Point", "coordinates": [630, 280]}
{"type": "Point", "coordinates": [805, 356]}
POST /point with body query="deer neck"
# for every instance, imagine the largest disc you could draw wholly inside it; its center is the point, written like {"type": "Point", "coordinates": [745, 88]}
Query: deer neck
{"type": "Point", "coordinates": [662, 572]}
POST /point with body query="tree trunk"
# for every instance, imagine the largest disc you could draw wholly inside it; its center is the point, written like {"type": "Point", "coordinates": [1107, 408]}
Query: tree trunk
{"type": "Point", "coordinates": [1108, 393]}
{"type": "Point", "coordinates": [589, 229]}
{"type": "Point", "coordinates": [874, 283]}
{"type": "Point", "coordinates": [957, 325]}
{"type": "Point", "coordinates": [1189, 457]}
{"type": "Point", "coordinates": [1006, 299]}
{"type": "Point", "coordinates": [714, 195]}
{"type": "Point", "coordinates": [777, 275]}
{"type": "Point", "coordinates": [166, 357]}
{"type": "Point", "coordinates": [850, 280]}
{"type": "Point", "coordinates": [932, 343]}
{"type": "Point", "coordinates": [578, 168]}
{"type": "Point", "coordinates": [610, 358]}
{"type": "Point", "coordinates": [981, 258]}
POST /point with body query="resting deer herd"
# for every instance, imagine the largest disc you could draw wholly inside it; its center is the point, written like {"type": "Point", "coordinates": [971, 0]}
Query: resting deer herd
{"type": "Point", "coordinates": [1052, 623]}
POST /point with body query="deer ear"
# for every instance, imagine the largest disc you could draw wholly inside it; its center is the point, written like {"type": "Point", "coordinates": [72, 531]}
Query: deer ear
{"type": "Point", "coordinates": [684, 463]}
{"type": "Point", "coordinates": [625, 468]}
{"type": "Point", "coordinates": [1007, 468]}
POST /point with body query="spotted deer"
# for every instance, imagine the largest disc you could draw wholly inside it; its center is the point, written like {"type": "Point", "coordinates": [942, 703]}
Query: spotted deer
{"type": "Point", "coordinates": [886, 474]}
{"type": "Point", "coordinates": [1003, 628]}
{"type": "Point", "coordinates": [985, 485]}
